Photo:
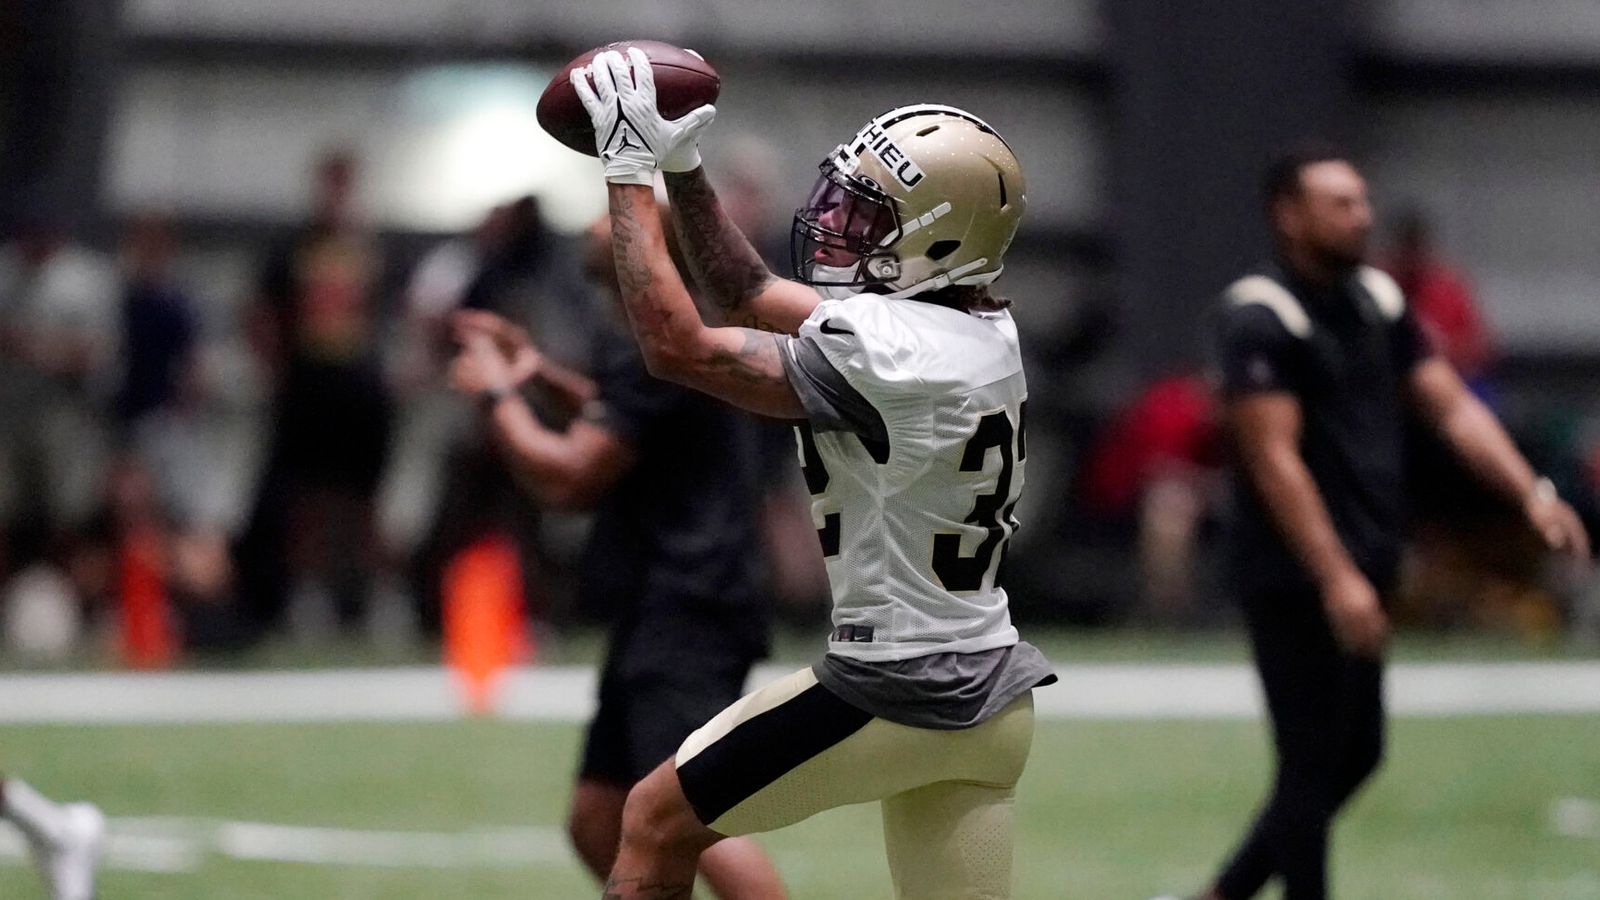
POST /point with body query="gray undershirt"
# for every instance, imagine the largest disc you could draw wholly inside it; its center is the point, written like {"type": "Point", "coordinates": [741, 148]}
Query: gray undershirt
{"type": "Point", "coordinates": [946, 691]}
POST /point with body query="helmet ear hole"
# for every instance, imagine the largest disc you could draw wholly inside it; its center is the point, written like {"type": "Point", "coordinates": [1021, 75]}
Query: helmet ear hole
{"type": "Point", "coordinates": [940, 249]}
{"type": "Point", "coordinates": [885, 267]}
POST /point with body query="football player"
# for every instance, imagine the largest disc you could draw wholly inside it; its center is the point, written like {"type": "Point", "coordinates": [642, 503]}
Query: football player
{"type": "Point", "coordinates": [673, 555]}
{"type": "Point", "coordinates": [66, 839]}
{"type": "Point", "coordinates": [906, 372]}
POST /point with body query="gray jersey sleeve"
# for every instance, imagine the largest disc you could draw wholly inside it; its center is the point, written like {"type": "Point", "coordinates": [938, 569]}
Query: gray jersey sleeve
{"type": "Point", "coordinates": [831, 403]}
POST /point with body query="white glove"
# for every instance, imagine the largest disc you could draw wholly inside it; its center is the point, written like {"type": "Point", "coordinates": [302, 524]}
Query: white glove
{"type": "Point", "coordinates": [631, 136]}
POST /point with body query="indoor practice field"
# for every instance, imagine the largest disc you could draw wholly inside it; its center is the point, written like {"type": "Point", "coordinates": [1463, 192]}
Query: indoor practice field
{"type": "Point", "coordinates": [422, 420]}
{"type": "Point", "coordinates": [1470, 806]}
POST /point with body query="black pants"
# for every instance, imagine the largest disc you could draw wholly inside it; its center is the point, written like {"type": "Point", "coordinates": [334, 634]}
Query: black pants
{"type": "Point", "coordinates": [1328, 723]}
{"type": "Point", "coordinates": [655, 690]}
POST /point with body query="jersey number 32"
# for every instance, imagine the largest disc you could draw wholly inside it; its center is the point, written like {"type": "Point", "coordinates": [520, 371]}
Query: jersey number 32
{"type": "Point", "coordinates": [991, 512]}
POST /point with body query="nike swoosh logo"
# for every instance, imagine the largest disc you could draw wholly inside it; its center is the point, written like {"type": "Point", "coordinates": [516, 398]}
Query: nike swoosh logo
{"type": "Point", "coordinates": [827, 327]}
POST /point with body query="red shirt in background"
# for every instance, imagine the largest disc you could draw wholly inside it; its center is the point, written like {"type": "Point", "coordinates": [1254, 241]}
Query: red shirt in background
{"type": "Point", "coordinates": [1447, 310]}
{"type": "Point", "coordinates": [1171, 425]}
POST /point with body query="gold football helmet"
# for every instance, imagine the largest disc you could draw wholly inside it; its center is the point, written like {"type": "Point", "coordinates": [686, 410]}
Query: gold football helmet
{"type": "Point", "coordinates": [923, 197]}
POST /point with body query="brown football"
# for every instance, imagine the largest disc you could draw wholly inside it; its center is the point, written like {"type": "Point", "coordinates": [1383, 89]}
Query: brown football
{"type": "Point", "coordinates": [684, 83]}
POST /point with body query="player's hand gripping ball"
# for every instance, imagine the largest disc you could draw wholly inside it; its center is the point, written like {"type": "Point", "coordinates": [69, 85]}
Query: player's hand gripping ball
{"type": "Point", "coordinates": [638, 105]}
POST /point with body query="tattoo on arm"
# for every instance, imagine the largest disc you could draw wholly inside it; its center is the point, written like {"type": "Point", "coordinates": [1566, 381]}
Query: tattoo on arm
{"type": "Point", "coordinates": [755, 361]}
{"type": "Point", "coordinates": [743, 366]}
{"type": "Point", "coordinates": [756, 322]}
{"type": "Point", "coordinates": [729, 271]}
{"type": "Point", "coordinates": [627, 234]}
{"type": "Point", "coordinates": [648, 304]}
{"type": "Point", "coordinates": [643, 891]}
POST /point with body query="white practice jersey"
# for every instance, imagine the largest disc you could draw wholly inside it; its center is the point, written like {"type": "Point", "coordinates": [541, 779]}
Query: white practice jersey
{"type": "Point", "coordinates": [915, 519]}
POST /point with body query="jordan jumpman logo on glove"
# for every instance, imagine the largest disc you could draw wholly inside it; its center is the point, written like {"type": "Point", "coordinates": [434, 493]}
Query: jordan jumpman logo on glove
{"type": "Point", "coordinates": [632, 137]}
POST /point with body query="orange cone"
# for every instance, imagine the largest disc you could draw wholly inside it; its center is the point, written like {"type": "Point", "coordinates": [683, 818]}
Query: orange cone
{"type": "Point", "coordinates": [148, 640]}
{"type": "Point", "coordinates": [483, 617]}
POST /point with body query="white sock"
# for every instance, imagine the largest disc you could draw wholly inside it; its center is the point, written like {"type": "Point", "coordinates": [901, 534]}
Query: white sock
{"type": "Point", "coordinates": [37, 816]}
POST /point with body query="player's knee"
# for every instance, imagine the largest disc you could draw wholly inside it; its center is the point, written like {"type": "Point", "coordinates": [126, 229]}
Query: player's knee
{"type": "Point", "coordinates": [658, 816]}
{"type": "Point", "coordinates": [594, 823]}
{"type": "Point", "coordinates": [590, 837]}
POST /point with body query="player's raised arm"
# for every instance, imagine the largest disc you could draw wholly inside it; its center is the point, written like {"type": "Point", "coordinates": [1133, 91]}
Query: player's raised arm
{"type": "Point", "coordinates": [634, 143]}
{"type": "Point", "coordinates": [729, 271]}
{"type": "Point", "coordinates": [742, 366]}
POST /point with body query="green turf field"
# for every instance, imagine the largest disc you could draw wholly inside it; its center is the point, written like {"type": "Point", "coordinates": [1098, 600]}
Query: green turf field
{"type": "Point", "coordinates": [1112, 810]}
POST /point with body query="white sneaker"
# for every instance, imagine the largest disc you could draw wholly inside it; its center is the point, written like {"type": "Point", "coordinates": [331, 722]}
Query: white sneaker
{"type": "Point", "coordinates": [70, 861]}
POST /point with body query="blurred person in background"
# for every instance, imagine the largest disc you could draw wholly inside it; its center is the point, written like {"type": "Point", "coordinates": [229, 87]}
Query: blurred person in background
{"type": "Point", "coordinates": [509, 268]}
{"type": "Point", "coordinates": [1441, 299]}
{"type": "Point", "coordinates": [149, 517]}
{"type": "Point", "coordinates": [1156, 468]}
{"type": "Point", "coordinates": [1322, 363]}
{"type": "Point", "coordinates": [160, 328]}
{"type": "Point", "coordinates": [66, 839]}
{"type": "Point", "coordinates": [675, 479]}
{"type": "Point", "coordinates": [438, 288]}
{"type": "Point", "coordinates": [155, 483]}
{"type": "Point", "coordinates": [311, 545]}
{"type": "Point", "coordinates": [59, 338]}
{"type": "Point", "coordinates": [431, 423]}
{"type": "Point", "coordinates": [279, 318]}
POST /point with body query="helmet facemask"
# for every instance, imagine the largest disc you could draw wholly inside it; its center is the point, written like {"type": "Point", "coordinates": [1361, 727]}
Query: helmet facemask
{"type": "Point", "coordinates": [836, 244]}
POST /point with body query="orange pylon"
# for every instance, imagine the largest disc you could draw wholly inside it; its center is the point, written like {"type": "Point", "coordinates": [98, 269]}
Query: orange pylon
{"type": "Point", "coordinates": [148, 640]}
{"type": "Point", "coordinates": [483, 617]}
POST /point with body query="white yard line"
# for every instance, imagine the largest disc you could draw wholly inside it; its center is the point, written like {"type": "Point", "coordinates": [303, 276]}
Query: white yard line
{"type": "Point", "coordinates": [172, 844]}
{"type": "Point", "coordinates": [1576, 817]}
{"type": "Point", "coordinates": [392, 849]}
{"type": "Point", "coordinates": [566, 694]}
{"type": "Point", "coordinates": [1232, 692]}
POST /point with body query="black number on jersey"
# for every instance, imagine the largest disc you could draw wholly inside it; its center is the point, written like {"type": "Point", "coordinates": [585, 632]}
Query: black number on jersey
{"type": "Point", "coordinates": [955, 572]}
{"type": "Point", "coordinates": [989, 511]}
{"type": "Point", "coordinates": [817, 479]}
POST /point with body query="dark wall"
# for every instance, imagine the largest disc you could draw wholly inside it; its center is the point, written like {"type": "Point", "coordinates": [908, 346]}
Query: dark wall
{"type": "Point", "coordinates": [57, 59]}
{"type": "Point", "coordinates": [1205, 94]}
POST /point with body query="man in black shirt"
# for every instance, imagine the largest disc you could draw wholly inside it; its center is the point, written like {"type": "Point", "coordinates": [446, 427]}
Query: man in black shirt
{"type": "Point", "coordinates": [1322, 365]}
{"type": "Point", "coordinates": [315, 328]}
{"type": "Point", "coordinates": [676, 481]}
